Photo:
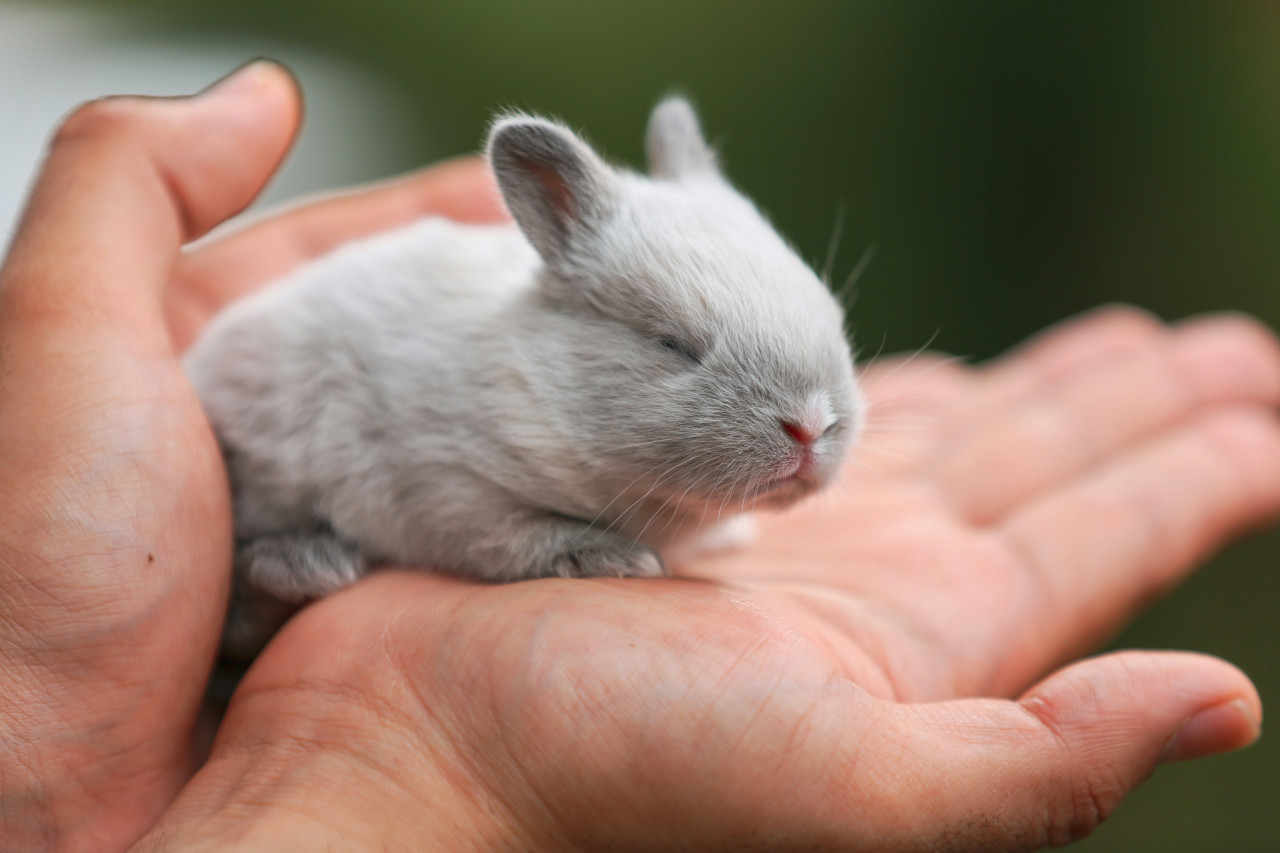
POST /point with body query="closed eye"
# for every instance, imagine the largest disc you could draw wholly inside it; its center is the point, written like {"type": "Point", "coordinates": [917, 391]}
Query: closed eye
{"type": "Point", "coordinates": [679, 347]}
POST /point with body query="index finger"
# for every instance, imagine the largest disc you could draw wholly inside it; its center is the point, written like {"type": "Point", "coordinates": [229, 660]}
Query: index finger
{"type": "Point", "coordinates": [232, 266]}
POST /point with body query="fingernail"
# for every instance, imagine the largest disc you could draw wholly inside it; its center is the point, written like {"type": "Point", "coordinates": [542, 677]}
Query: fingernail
{"type": "Point", "coordinates": [1222, 728]}
{"type": "Point", "coordinates": [244, 79]}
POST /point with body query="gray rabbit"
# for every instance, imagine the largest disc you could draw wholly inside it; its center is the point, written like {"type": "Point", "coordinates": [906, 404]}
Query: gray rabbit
{"type": "Point", "coordinates": [636, 359]}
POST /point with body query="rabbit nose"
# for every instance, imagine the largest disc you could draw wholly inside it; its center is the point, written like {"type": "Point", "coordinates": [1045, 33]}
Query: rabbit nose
{"type": "Point", "coordinates": [803, 433]}
{"type": "Point", "coordinates": [809, 422]}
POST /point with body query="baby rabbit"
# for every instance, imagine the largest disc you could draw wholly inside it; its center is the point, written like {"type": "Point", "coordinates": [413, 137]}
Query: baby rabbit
{"type": "Point", "coordinates": [635, 359]}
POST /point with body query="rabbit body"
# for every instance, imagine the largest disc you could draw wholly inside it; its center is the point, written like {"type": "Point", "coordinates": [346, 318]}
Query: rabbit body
{"type": "Point", "coordinates": [636, 358]}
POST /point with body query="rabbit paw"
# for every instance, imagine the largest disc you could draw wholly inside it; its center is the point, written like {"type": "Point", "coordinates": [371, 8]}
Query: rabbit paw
{"type": "Point", "coordinates": [609, 560]}
{"type": "Point", "coordinates": [298, 566]}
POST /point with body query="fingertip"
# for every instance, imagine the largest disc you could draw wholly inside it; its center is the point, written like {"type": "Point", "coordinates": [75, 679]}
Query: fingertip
{"type": "Point", "coordinates": [212, 153]}
{"type": "Point", "coordinates": [1226, 320]}
{"type": "Point", "coordinates": [255, 111]}
{"type": "Point", "coordinates": [1227, 727]}
{"type": "Point", "coordinates": [1099, 728]}
{"type": "Point", "coordinates": [259, 72]}
{"type": "Point", "coordinates": [1148, 698]}
{"type": "Point", "coordinates": [1228, 355]}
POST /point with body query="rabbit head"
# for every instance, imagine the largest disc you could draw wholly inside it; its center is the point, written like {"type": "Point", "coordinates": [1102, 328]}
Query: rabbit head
{"type": "Point", "coordinates": [681, 347]}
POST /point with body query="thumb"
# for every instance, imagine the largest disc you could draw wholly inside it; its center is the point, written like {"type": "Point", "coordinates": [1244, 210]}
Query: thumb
{"type": "Point", "coordinates": [127, 181]}
{"type": "Point", "coordinates": [100, 434]}
{"type": "Point", "coordinates": [114, 514]}
{"type": "Point", "coordinates": [1046, 770]}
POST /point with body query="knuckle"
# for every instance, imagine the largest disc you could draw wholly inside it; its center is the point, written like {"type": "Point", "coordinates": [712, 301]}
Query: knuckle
{"type": "Point", "coordinates": [1087, 802]}
{"type": "Point", "coordinates": [1078, 797]}
{"type": "Point", "coordinates": [104, 118]}
{"type": "Point", "coordinates": [1126, 320]}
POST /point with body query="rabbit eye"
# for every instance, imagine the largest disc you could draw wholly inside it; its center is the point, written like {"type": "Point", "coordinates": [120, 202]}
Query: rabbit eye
{"type": "Point", "coordinates": [680, 348]}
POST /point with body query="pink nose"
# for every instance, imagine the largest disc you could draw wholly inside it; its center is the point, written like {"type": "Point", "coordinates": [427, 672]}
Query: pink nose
{"type": "Point", "coordinates": [801, 433]}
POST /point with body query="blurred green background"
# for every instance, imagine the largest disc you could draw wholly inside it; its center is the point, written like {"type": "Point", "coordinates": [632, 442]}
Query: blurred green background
{"type": "Point", "coordinates": [1014, 163]}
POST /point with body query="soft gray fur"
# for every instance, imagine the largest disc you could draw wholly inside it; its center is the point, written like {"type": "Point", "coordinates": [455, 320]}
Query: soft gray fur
{"type": "Point", "coordinates": [564, 397]}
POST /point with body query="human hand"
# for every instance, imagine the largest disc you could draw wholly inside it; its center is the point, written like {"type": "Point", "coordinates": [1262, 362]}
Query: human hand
{"type": "Point", "coordinates": [863, 677]}
{"type": "Point", "coordinates": [774, 703]}
{"type": "Point", "coordinates": [115, 533]}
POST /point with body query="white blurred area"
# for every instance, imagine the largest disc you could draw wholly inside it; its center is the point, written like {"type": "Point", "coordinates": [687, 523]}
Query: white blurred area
{"type": "Point", "coordinates": [55, 56]}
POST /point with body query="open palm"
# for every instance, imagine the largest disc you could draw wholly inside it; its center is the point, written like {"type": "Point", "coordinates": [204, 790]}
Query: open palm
{"type": "Point", "coordinates": [1002, 520]}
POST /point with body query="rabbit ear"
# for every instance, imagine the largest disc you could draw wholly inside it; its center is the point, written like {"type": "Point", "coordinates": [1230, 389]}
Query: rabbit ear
{"type": "Point", "coordinates": [675, 144]}
{"type": "Point", "coordinates": [555, 186]}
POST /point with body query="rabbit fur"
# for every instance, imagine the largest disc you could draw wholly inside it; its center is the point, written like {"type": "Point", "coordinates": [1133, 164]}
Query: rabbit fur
{"type": "Point", "coordinates": [634, 359]}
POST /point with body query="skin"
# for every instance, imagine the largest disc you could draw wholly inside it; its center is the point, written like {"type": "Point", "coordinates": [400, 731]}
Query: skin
{"type": "Point", "coordinates": [886, 668]}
